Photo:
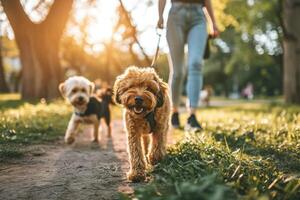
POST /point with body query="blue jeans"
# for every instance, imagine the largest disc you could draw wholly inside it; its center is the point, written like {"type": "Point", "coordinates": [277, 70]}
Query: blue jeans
{"type": "Point", "coordinates": [186, 24]}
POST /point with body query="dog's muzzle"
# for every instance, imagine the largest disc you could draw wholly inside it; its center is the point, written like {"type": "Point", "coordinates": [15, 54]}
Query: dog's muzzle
{"type": "Point", "coordinates": [138, 107]}
{"type": "Point", "coordinates": [80, 101]}
{"type": "Point", "coordinates": [138, 100]}
{"type": "Point", "coordinates": [138, 110]}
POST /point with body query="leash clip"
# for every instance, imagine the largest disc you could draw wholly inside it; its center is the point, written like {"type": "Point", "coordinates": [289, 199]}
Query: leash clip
{"type": "Point", "coordinates": [159, 31]}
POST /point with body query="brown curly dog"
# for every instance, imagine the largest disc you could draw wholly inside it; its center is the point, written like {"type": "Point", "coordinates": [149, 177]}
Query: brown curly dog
{"type": "Point", "coordinates": [146, 104]}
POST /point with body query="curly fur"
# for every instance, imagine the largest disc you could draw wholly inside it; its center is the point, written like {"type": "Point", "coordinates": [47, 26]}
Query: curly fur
{"type": "Point", "coordinates": [142, 146]}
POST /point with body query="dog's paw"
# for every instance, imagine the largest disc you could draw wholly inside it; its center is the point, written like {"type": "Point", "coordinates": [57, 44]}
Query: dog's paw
{"type": "Point", "coordinates": [136, 176]}
{"type": "Point", "coordinates": [109, 133]}
{"type": "Point", "coordinates": [154, 158]}
{"type": "Point", "coordinates": [95, 140]}
{"type": "Point", "coordinates": [69, 140]}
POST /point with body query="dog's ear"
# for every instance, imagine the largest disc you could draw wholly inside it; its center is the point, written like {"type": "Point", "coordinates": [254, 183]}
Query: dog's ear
{"type": "Point", "coordinates": [62, 89]}
{"type": "Point", "coordinates": [92, 87]}
{"type": "Point", "coordinates": [116, 92]}
{"type": "Point", "coordinates": [163, 87]}
{"type": "Point", "coordinates": [117, 98]}
{"type": "Point", "coordinates": [160, 99]}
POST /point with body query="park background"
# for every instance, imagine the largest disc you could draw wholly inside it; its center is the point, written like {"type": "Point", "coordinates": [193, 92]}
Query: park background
{"type": "Point", "coordinates": [247, 150]}
{"type": "Point", "coordinates": [102, 38]}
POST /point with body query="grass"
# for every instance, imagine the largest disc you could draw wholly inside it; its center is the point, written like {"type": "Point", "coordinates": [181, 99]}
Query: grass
{"type": "Point", "coordinates": [24, 124]}
{"type": "Point", "coordinates": [249, 151]}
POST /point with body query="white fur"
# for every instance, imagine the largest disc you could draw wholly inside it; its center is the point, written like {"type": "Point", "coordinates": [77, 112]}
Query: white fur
{"type": "Point", "coordinates": [73, 89]}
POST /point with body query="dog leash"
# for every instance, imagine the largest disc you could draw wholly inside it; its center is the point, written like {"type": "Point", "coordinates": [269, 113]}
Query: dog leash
{"type": "Point", "coordinates": [157, 47]}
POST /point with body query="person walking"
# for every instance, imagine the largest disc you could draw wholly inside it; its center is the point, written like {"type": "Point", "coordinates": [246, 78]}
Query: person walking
{"type": "Point", "coordinates": [187, 25]}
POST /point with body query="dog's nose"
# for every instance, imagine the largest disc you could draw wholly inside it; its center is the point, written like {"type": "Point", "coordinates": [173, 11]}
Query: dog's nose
{"type": "Point", "coordinates": [80, 98]}
{"type": "Point", "coordinates": [138, 100]}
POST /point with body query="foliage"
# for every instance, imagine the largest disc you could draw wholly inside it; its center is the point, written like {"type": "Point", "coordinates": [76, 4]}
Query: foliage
{"type": "Point", "coordinates": [105, 65]}
{"type": "Point", "coordinates": [249, 48]}
{"type": "Point", "coordinates": [24, 124]}
{"type": "Point", "coordinates": [249, 51]}
{"type": "Point", "coordinates": [249, 151]}
{"type": "Point", "coordinates": [224, 19]}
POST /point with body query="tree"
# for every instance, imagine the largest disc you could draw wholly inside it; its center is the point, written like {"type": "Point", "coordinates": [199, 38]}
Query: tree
{"type": "Point", "coordinates": [3, 85]}
{"type": "Point", "coordinates": [291, 46]}
{"type": "Point", "coordinates": [38, 44]}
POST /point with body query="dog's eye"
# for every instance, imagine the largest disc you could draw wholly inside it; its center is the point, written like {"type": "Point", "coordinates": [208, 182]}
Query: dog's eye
{"type": "Point", "coordinates": [74, 90]}
{"type": "Point", "coordinates": [83, 90]}
{"type": "Point", "coordinates": [150, 90]}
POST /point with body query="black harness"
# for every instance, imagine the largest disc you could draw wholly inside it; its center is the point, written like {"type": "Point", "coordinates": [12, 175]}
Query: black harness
{"type": "Point", "coordinates": [94, 107]}
{"type": "Point", "coordinates": [151, 120]}
{"type": "Point", "coordinates": [150, 117]}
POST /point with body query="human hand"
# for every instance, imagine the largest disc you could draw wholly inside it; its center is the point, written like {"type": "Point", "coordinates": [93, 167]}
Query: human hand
{"type": "Point", "coordinates": [215, 31]}
{"type": "Point", "coordinates": [160, 23]}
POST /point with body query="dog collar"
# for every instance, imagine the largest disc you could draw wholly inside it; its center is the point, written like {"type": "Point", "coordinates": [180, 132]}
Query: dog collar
{"type": "Point", "coordinates": [93, 107]}
{"type": "Point", "coordinates": [81, 114]}
{"type": "Point", "coordinates": [151, 121]}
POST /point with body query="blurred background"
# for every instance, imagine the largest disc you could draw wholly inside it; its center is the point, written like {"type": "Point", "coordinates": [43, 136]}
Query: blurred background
{"type": "Point", "coordinates": [45, 41]}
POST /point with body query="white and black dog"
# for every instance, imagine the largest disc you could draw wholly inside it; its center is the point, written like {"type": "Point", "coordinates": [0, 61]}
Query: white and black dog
{"type": "Point", "coordinates": [88, 109]}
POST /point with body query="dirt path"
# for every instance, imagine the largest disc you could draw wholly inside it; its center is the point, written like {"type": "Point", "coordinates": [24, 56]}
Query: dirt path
{"type": "Point", "coordinates": [84, 170]}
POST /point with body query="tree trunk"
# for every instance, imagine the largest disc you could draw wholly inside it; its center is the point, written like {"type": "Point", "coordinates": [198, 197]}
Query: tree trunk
{"type": "Point", "coordinates": [41, 70]}
{"type": "Point", "coordinates": [3, 85]}
{"type": "Point", "coordinates": [39, 47]}
{"type": "Point", "coordinates": [291, 46]}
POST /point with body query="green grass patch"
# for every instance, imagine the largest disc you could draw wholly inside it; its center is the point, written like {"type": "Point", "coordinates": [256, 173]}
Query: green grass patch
{"type": "Point", "coordinates": [30, 124]}
{"type": "Point", "coordinates": [249, 151]}
{"type": "Point", "coordinates": [23, 124]}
